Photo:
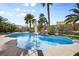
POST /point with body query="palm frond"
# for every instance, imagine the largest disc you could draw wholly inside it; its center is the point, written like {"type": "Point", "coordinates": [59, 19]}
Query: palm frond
{"type": "Point", "coordinates": [68, 21]}
{"type": "Point", "coordinates": [28, 18]}
{"type": "Point", "coordinates": [75, 21]}
{"type": "Point", "coordinates": [77, 5]}
{"type": "Point", "coordinates": [71, 15]}
{"type": "Point", "coordinates": [75, 10]}
{"type": "Point", "coordinates": [43, 4]}
{"type": "Point", "coordinates": [42, 15]}
{"type": "Point", "coordinates": [76, 18]}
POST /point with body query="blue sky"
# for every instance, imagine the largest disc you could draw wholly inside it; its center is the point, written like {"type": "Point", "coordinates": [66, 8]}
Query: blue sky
{"type": "Point", "coordinates": [15, 12]}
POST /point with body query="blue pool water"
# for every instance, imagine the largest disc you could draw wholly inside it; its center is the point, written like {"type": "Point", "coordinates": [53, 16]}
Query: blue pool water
{"type": "Point", "coordinates": [29, 41]}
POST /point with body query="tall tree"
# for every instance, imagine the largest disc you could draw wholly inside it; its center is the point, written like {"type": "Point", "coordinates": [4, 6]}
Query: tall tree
{"type": "Point", "coordinates": [5, 26]}
{"type": "Point", "coordinates": [73, 17]}
{"type": "Point", "coordinates": [33, 21]}
{"type": "Point", "coordinates": [42, 21]}
{"type": "Point", "coordinates": [48, 10]}
{"type": "Point", "coordinates": [29, 19]}
{"type": "Point", "coordinates": [2, 19]}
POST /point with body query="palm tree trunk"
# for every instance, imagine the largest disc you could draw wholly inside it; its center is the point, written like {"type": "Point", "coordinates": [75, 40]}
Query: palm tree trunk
{"type": "Point", "coordinates": [30, 25]}
{"type": "Point", "coordinates": [48, 10]}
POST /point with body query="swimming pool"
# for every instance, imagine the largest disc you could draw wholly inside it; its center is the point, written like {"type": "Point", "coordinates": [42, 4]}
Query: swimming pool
{"type": "Point", "coordinates": [29, 41]}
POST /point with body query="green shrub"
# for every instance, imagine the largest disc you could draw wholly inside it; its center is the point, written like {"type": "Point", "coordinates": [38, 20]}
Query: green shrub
{"type": "Point", "coordinates": [50, 30]}
{"type": "Point", "coordinates": [77, 54]}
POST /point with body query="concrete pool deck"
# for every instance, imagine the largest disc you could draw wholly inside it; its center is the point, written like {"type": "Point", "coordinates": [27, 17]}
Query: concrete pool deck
{"type": "Point", "coordinates": [60, 50]}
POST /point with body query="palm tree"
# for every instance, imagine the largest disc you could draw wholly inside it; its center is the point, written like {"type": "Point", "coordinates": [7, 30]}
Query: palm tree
{"type": "Point", "coordinates": [34, 25]}
{"type": "Point", "coordinates": [69, 19]}
{"type": "Point", "coordinates": [29, 19]}
{"type": "Point", "coordinates": [33, 21]}
{"type": "Point", "coordinates": [73, 17]}
{"type": "Point", "coordinates": [42, 21]}
{"type": "Point", "coordinates": [48, 10]}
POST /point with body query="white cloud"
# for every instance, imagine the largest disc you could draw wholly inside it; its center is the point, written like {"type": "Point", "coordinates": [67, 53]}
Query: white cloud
{"type": "Point", "coordinates": [2, 12]}
{"type": "Point", "coordinates": [23, 14]}
{"type": "Point", "coordinates": [30, 4]}
{"type": "Point", "coordinates": [33, 4]}
{"type": "Point", "coordinates": [20, 10]}
{"type": "Point", "coordinates": [26, 4]}
{"type": "Point", "coordinates": [8, 13]}
{"type": "Point", "coordinates": [33, 10]}
{"type": "Point", "coordinates": [41, 9]}
{"type": "Point", "coordinates": [28, 11]}
{"type": "Point", "coordinates": [17, 9]}
{"type": "Point", "coordinates": [24, 10]}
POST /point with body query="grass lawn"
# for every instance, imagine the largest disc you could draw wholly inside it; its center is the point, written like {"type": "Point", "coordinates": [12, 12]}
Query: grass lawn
{"type": "Point", "coordinates": [70, 35]}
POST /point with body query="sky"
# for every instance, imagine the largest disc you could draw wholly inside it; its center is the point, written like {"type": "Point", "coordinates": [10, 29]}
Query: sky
{"type": "Point", "coordinates": [15, 12]}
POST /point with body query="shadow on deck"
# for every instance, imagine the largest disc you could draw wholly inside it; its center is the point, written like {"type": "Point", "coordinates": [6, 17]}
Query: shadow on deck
{"type": "Point", "coordinates": [10, 49]}
{"type": "Point", "coordinates": [40, 53]}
